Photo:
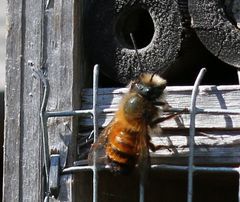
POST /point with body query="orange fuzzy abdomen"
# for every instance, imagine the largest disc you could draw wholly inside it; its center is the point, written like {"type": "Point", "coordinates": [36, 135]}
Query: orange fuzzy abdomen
{"type": "Point", "coordinates": [122, 144]}
{"type": "Point", "coordinates": [129, 126]}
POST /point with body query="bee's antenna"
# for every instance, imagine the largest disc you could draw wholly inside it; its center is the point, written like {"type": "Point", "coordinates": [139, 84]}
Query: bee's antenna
{"type": "Point", "coordinates": [153, 75]}
{"type": "Point", "coordinates": [158, 71]}
{"type": "Point", "coordinates": [139, 61]}
{"type": "Point", "coordinates": [135, 48]}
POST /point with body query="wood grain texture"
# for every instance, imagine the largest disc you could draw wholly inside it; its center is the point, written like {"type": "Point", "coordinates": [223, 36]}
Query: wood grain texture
{"type": "Point", "coordinates": [63, 72]}
{"type": "Point", "coordinates": [217, 137]}
{"type": "Point", "coordinates": [1, 135]}
{"type": "Point", "coordinates": [43, 36]}
{"type": "Point", "coordinates": [11, 172]}
{"type": "Point", "coordinates": [210, 97]}
{"type": "Point", "coordinates": [22, 153]}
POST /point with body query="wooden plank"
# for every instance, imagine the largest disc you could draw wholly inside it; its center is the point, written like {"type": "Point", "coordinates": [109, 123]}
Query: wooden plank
{"type": "Point", "coordinates": [31, 141]}
{"type": "Point", "coordinates": [44, 37]}
{"type": "Point", "coordinates": [22, 161]}
{"type": "Point", "coordinates": [63, 70]}
{"type": "Point", "coordinates": [1, 135]}
{"type": "Point", "coordinates": [12, 139]}
{"type": "Point", "coordinates": [212, 147]}
{"type": "Point", "coordinates": [216, 141]}
{"type": "Point", "coordinates": [210, 97]}
{"type": "Point", "coordinates": [22, 157]}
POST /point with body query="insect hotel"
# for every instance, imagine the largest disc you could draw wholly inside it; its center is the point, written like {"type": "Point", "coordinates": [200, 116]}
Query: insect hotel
{"type": "Point", "coordinates": [68, 64]}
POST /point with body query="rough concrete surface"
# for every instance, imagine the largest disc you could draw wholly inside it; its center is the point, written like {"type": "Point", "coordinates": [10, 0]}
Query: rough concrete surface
{"type": "Point", "coordinates": [109, 44]}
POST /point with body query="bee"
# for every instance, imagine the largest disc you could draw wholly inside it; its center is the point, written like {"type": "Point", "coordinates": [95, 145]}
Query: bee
{"type": "Point", "coordinates": [126, 140]}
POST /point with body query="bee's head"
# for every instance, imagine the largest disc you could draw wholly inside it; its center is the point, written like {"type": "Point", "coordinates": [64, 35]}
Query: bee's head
{"type": "Point", "coordinates": [150, 86]}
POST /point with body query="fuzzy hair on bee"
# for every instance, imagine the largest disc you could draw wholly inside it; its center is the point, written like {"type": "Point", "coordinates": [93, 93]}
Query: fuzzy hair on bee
{"type": "Point", "coordinates": [125, 140]}
{"type": "Point", "coordinates": [152, 79]}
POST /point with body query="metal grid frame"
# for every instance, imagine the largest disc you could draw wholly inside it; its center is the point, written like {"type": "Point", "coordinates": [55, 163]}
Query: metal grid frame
{"type": "Point", "coordinates": [94, 112]}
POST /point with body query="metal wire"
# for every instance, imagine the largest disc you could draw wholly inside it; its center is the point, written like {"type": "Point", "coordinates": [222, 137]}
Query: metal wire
{"type": "Point", "coordinates": [43, 121]}
{"type": "Point", "coordinates": [39, 73]}
{"type": "Point", "coordinates": [95, 129]}
{"type": "Point", "coordinates": [44, 115]}
{"type": "Point", "coordinates": [142, 182]}
{"type": "Point", "coordinates": [162, 167]}
{"type": "Point", "coordinates": [192, 133]}
{"type": "Point", "coordinates": [69, 113]}
{"type": "Point", "coordinates": [100, 111]}
{"type": "Point", "coordinates": [193, 110]}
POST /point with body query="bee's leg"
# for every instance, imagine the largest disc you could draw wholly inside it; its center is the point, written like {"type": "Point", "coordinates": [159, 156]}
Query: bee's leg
{"type": "Point", "coordinates": [154, 147]}
{"type": "Point", "coordinates": [164, 104]}
{"type": "Point", "coordinates": [161, 119]}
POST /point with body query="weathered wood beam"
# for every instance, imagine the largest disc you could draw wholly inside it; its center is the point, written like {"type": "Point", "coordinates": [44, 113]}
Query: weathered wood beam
{"type": "Point", "coordinates": [1, 132]}
{"type": "Point", "coordinates": [22, 147]}
{"type": "Point", "coordinates": [217, 137]}
{"type": "Point", "coordinates": [42, 36]}
{"type": "Point", "coordinates": [210, 97]}
{"type": "Point", "coordinates": [212, 147]}
{"type": "Point", "coordinates": [63, 67]}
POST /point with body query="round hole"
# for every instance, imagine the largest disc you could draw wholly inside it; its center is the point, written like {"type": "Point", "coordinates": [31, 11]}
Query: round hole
{"type": "Point", "coordinates": [138, 22]}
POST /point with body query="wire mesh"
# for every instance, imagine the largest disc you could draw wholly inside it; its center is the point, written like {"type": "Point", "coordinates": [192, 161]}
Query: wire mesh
{"type": "Point", "coordinates": [192, 133]}
{"type": "Point", "coordinates": [94, 112]}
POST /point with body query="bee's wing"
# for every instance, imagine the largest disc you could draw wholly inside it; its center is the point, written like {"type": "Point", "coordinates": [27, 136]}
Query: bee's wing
{"type": "Point", "coordinates": [99, 146]}
{"type": "Point", "coordinates": [143, 158]}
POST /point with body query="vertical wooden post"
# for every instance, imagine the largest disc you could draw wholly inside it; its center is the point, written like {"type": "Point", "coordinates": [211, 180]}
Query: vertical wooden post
{"type": "Point", "coordinates": [45, 36]}
{"type": "Point", "coordinates": [22, 150]}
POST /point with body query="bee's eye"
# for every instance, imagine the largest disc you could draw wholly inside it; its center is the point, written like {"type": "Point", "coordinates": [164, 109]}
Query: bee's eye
{"type": "Point", "coordinates": [142, 89]}
{"type": "Point", "coordinates": [132, 106]}
{"type": "Point", "coordinates": [158, 90]}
